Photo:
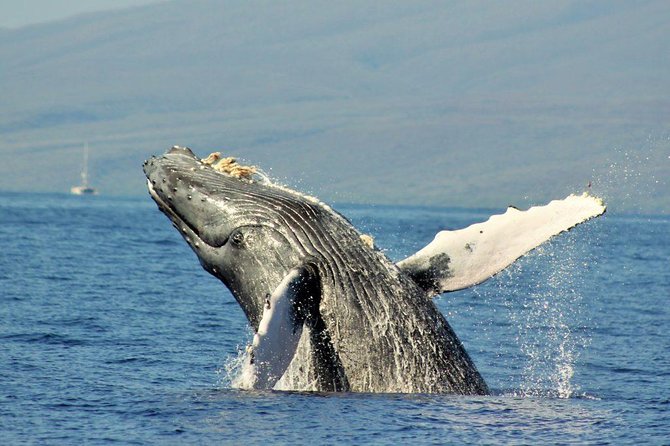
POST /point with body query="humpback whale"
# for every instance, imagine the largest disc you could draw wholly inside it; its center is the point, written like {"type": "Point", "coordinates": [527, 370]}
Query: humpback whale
{"type": "Point", "coordinates": [329, 311]}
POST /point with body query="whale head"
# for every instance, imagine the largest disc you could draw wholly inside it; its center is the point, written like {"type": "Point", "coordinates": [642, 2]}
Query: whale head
{"type": "Point", "coordinates": [242, 228]}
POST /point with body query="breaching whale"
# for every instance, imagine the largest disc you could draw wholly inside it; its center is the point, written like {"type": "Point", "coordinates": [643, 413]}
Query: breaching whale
{"type": "Point", "coordinates": [329, 311]}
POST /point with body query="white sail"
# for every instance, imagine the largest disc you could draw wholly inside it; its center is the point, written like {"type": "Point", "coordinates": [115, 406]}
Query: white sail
{"type": "Point", "coordinates": [84, 188]}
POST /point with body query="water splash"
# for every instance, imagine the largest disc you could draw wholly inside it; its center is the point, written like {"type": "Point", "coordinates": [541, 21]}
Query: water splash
{"type": "Point", "coordinates": [635, 178]}
{"type": "Point", "coordinates": [544, 294]}
{"type": "Point", "coordinates": [231, 372]}
{"type": "Point", "coordinates": [542, 297]}
{"type": "Point", "coordinates": [546, 324]}
{"type": "Point", "coordinates": [556, 308]}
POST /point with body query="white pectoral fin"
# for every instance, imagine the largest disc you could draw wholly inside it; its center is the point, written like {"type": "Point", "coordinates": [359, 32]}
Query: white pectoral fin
{"type": "Point", "coordinates": [279, 331]}
{"type": "Point", "coordinates": [459, 259]}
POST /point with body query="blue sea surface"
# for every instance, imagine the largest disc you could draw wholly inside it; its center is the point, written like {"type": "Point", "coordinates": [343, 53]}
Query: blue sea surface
{"type": "Point", "coordinates": [111, 332]}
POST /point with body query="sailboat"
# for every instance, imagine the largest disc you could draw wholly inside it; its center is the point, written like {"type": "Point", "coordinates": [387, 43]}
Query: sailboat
{"type": "Point", "coordinates": [84, 188]}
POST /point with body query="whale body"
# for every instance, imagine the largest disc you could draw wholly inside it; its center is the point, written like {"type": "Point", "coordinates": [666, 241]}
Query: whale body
{"type": "Point", "coordinates": [329, 311]}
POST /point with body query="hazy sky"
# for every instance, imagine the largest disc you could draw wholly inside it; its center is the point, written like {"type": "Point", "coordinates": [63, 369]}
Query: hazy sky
{"type": "Point", "coordinates": [17, 13]}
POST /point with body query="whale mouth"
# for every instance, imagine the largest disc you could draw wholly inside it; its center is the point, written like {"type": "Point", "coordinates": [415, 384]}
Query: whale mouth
{"type": "Point", "coordinates": [188, 231]}
{"type": "Point", "coordinates": [182, 187]}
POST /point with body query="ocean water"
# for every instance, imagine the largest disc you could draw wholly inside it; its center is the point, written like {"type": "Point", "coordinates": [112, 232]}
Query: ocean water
{"type": "Point", "coordinates": [112, 333]}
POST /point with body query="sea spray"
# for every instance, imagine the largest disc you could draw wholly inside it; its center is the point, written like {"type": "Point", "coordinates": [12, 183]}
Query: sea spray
{"type": "Point", "coordinates": [231, 371]}
{"type": "Point", "coordinates": [542, 297]}
{"type": "Point", "coordinates": [555, 321]}
{"type": "Point", "coordinates": [633, 176]}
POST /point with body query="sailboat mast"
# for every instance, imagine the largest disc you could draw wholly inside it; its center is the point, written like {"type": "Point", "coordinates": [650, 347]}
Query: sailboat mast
{"type": "Point", "coordinates": [84, 171]}
{"type": "Point", "coordinates": [84, 188]}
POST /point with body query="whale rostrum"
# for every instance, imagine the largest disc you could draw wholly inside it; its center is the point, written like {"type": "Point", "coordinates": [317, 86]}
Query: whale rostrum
{"type": "Point", "coordinates": [331, 312]}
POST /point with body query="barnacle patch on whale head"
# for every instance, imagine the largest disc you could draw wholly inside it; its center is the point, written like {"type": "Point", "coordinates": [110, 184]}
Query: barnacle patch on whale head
{"type": "Point", "coordinates": [230, 166]}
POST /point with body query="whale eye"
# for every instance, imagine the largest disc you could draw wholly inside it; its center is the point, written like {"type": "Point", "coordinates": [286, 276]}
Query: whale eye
{"type": "Point", "coordinates": [237, 238]}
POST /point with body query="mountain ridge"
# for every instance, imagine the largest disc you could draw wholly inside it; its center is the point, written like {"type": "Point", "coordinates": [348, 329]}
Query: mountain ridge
{"type": "Point", "coordinates": [430, 102]}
